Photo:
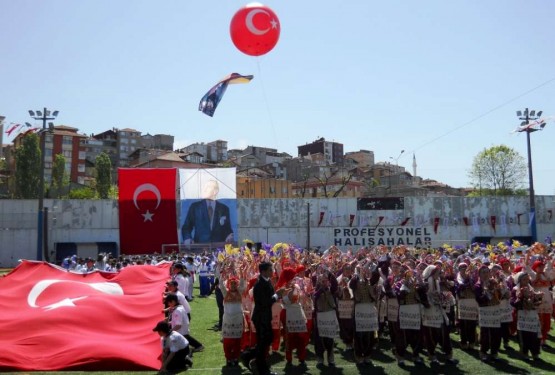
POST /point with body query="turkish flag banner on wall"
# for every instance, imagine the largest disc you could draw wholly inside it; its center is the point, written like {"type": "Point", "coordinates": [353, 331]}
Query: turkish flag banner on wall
{"type": "Point", "coordinates": [52, 319]}
{"type": "Point", "coordinates": [147, 209]}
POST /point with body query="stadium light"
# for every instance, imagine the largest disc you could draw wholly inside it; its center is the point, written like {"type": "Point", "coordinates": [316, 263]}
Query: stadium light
{"type": "Point", "coordinates": [41, 238]}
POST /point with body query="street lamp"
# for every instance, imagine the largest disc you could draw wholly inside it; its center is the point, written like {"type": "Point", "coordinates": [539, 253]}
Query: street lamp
{"type": "Point", "coordinates": [397, 158]}
{"type": "Point", "coordinates": [44, 115]}
{"type": "Point", "coordinates": [396, 166]}
{"type": "Point", "coordinates": [526, 117]}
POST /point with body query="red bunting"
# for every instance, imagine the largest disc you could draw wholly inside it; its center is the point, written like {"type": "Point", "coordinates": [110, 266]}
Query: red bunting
{"type": "Point", "coordinates": [147, 209]}
{"type": "Point", "coordinates": [321, 218]}
{"type": "Point", "coordinates": [550, 212]}
{"type": "Point", "coordinates": [436, 224]}
{"type": "Point", "coordinates": [380, 219]}
{"type": "Point", "coordinates": [55, 320]}
{"type": "Point", "coordinates": [466, 222]}
{"type": "Point", "coordinates": [351, 219]}
{"type": "Point", "coordinates": [404, 222]}
{"type": "Point", "coordinates": [493, 221]}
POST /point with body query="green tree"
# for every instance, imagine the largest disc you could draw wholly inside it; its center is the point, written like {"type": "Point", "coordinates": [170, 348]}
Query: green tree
{"type": "Point", "coordinates": [82, 193]}
{"type": "Point", "coordinates": [103, 175]}
{"type": "Point", "coordinates": [498, 170]}
{"type": "Point", "coordinates": [27, 168]}
{"type": "Point", "coordinates": [60, 179]}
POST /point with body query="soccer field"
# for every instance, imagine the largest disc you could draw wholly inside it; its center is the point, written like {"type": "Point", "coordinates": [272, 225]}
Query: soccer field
{"type": "Point", "coordinates": [212, 361]}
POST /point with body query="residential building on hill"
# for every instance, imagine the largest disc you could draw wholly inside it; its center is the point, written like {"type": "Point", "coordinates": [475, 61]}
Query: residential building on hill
{"type": "Point", "coordinates": [363, 158]}
{"type": "Point", "coordinates": [157, 141]}
{"type": "Point", "coordinates": [332, 151]}
{"type": "Point", "coordinates": [64, 140]}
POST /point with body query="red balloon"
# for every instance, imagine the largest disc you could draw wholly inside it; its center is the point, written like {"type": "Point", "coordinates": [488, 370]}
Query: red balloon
{"type": "Point", "coordinates": [254, 29]}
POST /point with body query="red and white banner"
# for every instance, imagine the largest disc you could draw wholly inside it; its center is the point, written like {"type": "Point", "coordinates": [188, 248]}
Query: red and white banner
{"type": "Point", "coordinates": [147, 209]}
{"type": "Point", "coordinates": [52, 319]}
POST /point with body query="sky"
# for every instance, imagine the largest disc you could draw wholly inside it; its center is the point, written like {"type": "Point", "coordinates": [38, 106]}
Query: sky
{"type": "Point", "coordinates": [441, 80]}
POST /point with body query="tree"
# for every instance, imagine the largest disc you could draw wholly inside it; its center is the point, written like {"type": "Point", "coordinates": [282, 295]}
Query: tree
{"type": "Point", "coordinates": [344, 182]}
{"type": "Point", "coordinates": [326, 182]}
{"type": "Point", "coordinates": [60, 179]}
{"type": "Point", "coordinates": [82, 193]}
{"type": "Point", "coordinates": [498, 170]}
{"type": "Point", "coordinates": [103, 175]}
{"type": "Point", "coordinates": [27, 168]}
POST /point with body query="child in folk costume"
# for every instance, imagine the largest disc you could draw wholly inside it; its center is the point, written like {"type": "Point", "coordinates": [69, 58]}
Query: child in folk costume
{"type": "Point", "coordinates": [467, 306]}
{"type": "Point", "coordinates": [306, 301]}
{"type": "Point", "coordinates": [447, 288]}
{"type": "Point", "coordinates": [247, 301]}
{"type": "Point", "coordinates": [346, 307]}
{"type": "Point", "coordinates": [526, 300]}
{"type": "Point", "coordinates": [488, 292]}
{"type": "Point", "coordinates": [326, 327]}
{"type": "Point", "coordinates": [391, 301]}
{"type": "Point", "coordinates": [365, 291]}
{"type": "Point", "coordinates": [277, 308]}
{"type": "Point", "coordinates": [292, 316]}
{"type": "Point", "coordinates": [434, 318]}
{"type": "Point", "coordinates": [233, 319]}
{"type": "Point", "coordinates": [505, 308]}
{"type": "Point", "coordinates": [409, 291]}
{"type": "Point", "coordinates": [511, 282]}
{"type": "Point", "coordinates": [541, 278]}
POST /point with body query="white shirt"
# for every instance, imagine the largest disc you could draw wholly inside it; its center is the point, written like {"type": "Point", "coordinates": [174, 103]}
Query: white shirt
{"type": "Point", "coordinates": [174, 342]}
{"type": "Point", "coordinates": [183, 301]}
{"type": "Point", "coordinates": [182, 284]}
{"type": "Point", "coordinates": [179, 317]}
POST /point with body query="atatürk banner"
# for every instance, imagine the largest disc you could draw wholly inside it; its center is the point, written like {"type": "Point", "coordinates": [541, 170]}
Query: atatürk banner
{"type": "Point", "coordinates": [389, 236]}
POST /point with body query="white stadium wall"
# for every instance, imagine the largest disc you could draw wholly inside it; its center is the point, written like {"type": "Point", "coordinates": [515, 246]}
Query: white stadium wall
{"type": "Point", "coordinates": [345, 222]}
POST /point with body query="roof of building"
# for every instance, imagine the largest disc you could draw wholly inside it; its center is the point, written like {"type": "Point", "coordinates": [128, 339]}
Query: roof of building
{"type": "Point", "coordinates": [69, 133]}
{"type": "Point", "coordinates": [66, 127]}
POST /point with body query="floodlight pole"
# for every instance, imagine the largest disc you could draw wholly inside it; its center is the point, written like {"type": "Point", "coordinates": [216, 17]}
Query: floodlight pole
{"type": "Point", "coordinates": [533, 229]}
{"type": "Point", "coordinates": [42, 246]}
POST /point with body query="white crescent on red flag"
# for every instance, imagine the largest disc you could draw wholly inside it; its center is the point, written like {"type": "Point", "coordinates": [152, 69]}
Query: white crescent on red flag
{"type": "Point", "coordinates": [147, 209]}
{"type": "Point", "coordinates": [53, 320]}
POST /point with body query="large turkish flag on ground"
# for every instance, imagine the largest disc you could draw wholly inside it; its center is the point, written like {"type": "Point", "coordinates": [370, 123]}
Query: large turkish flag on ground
{"type": "Point", "coordinates": [147, 209]}
{"type": "Point", "coordinates": [52, 319]}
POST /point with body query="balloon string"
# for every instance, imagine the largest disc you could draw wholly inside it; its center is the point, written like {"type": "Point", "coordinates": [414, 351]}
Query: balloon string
{"type": "Point", "coordinates": [275, 138]}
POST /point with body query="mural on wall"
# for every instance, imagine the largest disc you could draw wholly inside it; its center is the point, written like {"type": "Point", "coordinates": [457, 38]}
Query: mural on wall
{"type": "Point", "coordinates": [411, 221]}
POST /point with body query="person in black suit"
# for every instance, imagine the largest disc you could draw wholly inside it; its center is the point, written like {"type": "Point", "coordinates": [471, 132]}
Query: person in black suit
{"type": "Point", "coordinates": [207, 220]}
{"type": "Point", "coordinates": [264, 297]}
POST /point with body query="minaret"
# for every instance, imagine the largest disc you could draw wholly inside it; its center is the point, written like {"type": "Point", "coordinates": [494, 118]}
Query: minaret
{"type": "Point", "coordinates": [413, 169]}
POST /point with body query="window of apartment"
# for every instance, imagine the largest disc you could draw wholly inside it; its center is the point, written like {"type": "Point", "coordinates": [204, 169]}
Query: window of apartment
{"type": "Point", "coordinates": [81, 180]}
{"type": "Point", "coordinates": [48, 152]}
{"type": "Point", "coordinates": [67, 167]}
{"type": "Point", "coordinates": [82, 155]}
{"type": "Point", "coordinates": [81, 168]}
{"type": "Point", "coordinates": [133, 141]}
{"type": "Point", "coordinates": [48, 138]}
{"type": "Point", "coordinates": [47, 165]}
{"type": "Point", "coordinates": [66, 153]}
{"type": "Point", "coordinates": [67, 140]}
{"type": "Point", "coordinates": [124, 140]}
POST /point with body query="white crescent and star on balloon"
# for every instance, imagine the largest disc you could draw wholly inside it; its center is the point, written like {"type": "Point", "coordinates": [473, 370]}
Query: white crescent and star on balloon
{"type": "Point", "coordinates": [250, 24]}
{"type": "Point", "coordinates": [144, 188]}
